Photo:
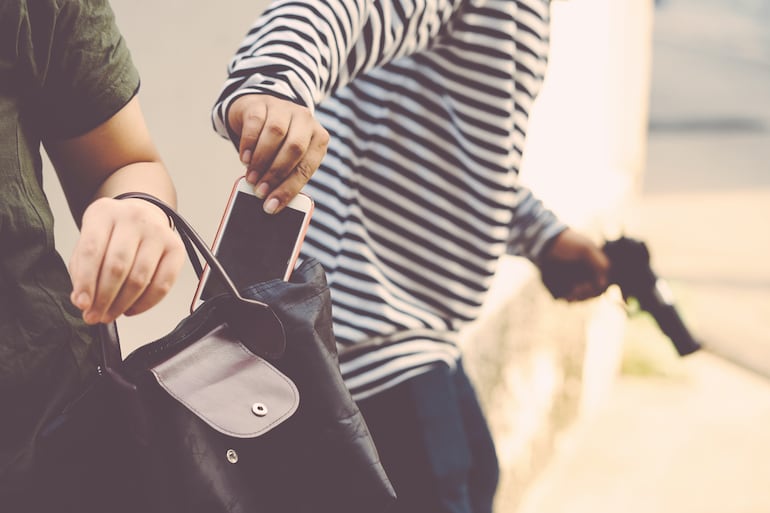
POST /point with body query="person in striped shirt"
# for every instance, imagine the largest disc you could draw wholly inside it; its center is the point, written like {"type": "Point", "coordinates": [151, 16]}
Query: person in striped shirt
{"type": "Point", "coordinates": [405, 120]}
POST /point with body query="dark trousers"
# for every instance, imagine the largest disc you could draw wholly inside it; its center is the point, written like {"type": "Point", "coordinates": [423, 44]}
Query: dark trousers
{"type": "Point", "coordinates": [434, 444]}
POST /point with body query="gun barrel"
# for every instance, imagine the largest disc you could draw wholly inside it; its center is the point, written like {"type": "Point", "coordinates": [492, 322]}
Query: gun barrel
{"type": "Point", "coordinates": [672, 325]}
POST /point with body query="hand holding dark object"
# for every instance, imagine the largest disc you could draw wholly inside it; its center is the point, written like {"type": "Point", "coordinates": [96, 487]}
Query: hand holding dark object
{"type": "Point", "coordinates": [126, 259]}
{"type": "Point", "coordinates": [574, 268]}
{"type": "Point", "coordinates": [629, 268]}
{"type": "Point", "coordinates": [281, 144]}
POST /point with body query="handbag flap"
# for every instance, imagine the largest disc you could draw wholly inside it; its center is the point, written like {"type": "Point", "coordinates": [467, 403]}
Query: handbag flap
{"type": "Point", "coordinates": [233, 390]}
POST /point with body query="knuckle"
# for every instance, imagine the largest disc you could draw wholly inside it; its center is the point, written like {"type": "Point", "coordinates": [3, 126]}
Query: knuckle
{"type": "Point", "coordinates": [323, 137]}
{"type": "Point", "coordinates": [163, 286]}
{"type": "Point", "coordinates": [174, 245]}
{"type": "Point", "coordinates": [256, 166]}
{"type": "Point", "coordinates": [136, 214]}
{"type": "Point", "coordinates": [305, 170]}
{"type": "Point", "coordinates": [95, 207]}
{"type": "Point", "coordinates": [295, 149]}
{"type": "Point", "coordinates": [276, 130]}
{"type": "Point", "coordinates": [117, 266]}
{"type": "Point", "coordinates": [254, 117]}
{"type": "Point", "coordinates": [88, 248]}
{"type": "Point", "coordinates": [277, 175]}
{"type": "Point", "coordinates": [139, 278]}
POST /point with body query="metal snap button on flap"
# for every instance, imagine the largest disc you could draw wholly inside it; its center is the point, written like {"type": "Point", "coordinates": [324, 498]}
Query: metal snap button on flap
{"type": "Point", "coordinates": [259, 409]}
{"type": "Point", "coordinates": [232, 456]}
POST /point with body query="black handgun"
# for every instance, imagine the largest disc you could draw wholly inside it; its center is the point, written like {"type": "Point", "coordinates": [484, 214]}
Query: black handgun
{"type": "Point", "coordinates": [630, 270]}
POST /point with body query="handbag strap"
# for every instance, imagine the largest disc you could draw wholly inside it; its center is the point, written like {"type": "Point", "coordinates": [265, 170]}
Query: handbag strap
{"type": "Point", "coordinates": [192, 242]}
{"type": "Point", "coordinates": [239, 321]}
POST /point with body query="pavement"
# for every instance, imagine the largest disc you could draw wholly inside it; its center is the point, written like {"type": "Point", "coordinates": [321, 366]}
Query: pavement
{"type": "Point", "coordinates": [690, 435]}
{"type": "Point", "coordinates": [695, 443]}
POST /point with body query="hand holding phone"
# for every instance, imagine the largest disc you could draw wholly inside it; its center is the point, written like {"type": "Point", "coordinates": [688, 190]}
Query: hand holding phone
{"type": "Point", "coordinates": [254, 246]}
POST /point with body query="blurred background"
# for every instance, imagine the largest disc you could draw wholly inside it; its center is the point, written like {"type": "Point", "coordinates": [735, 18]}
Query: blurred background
{"type": "Point", "coordinates": [654, 122]}
{"type": "Point", "coordinates": [690, 435]}
{"type": "Point", "coordinates": [706, 189]}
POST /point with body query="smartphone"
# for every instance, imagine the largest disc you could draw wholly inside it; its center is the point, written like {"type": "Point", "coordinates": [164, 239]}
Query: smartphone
{"type": "Point", "coordinates": [254, 246]}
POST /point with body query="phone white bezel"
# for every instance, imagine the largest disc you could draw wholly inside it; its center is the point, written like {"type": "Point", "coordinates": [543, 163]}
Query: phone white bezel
{"type": "Point", "coordinates": [301, 203]}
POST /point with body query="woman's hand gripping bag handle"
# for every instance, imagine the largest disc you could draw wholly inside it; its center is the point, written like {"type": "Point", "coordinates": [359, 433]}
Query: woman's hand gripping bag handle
{"type": "Point", "coordinates": [244, 310]}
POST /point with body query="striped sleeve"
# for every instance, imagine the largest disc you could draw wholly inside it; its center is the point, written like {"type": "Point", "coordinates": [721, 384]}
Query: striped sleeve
{"type": "Point", "coordinates": [532, 226]}
{"type": "Point", "coordinates": [305, 50]}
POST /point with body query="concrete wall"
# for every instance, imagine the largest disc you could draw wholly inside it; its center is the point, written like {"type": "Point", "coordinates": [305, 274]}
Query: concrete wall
{"type": "Point", "coordinates": [544, 366]}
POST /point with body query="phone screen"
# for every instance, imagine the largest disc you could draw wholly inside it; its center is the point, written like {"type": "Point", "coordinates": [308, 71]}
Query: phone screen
{"type": "Point", "coordinates": [254, 246]}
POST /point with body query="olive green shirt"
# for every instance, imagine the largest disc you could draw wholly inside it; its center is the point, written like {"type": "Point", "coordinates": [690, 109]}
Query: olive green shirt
{"type": "Point", "coordinates": [64, 69]}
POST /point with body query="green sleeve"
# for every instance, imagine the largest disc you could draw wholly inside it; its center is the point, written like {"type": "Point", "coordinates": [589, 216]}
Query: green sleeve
{"type": "Point", "coordinates": [89, 75]}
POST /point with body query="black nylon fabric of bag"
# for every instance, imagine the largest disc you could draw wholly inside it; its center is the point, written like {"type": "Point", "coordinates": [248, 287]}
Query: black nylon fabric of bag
{"type": "Point", "coordinates": [333, 454]}
{"type": "Point", "coordinates": [321, 459]}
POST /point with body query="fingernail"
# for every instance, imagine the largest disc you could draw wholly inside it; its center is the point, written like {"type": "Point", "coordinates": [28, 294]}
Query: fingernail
{"type": "Point", "coordinates": [271, 205]}
{"type": "Point", "coordinates": [91, 317]}
{"type": "Point", "coordinates": [82, 301]}
{"type": "Point", "coordinates": [262, 190]}
{"type": "Point", "coordinates": [246, 157]}
{"type": "Point", "coordinates": [251, 177]}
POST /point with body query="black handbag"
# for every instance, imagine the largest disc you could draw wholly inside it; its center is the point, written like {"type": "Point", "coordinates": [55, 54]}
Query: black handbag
{"type": "Point", "coordinates": [242, 408]}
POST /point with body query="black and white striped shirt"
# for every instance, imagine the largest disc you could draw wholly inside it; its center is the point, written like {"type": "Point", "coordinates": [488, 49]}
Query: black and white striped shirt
{"type": "Point", "coordinates": [427, 104]}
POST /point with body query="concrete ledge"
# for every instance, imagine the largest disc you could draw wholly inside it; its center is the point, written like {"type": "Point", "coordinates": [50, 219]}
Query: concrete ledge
{"type": "Point", "coordinates": [538, 365]}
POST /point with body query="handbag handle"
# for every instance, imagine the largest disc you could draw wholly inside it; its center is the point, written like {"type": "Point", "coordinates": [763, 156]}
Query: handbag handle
{"type": "Point", "coordinates": [191, 239]}
{"type": "Point", "coordinates": [242, 321]}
